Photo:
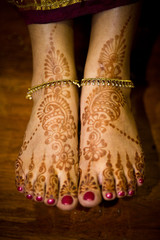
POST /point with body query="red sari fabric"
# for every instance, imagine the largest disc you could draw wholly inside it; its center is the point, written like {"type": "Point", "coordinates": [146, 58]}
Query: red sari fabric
{"type": "Point", "coordinates": [47, 11]}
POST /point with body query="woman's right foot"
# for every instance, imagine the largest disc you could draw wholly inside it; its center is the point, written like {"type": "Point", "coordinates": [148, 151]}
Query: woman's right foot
{"type": "Point", "coordinates": [47, 165]}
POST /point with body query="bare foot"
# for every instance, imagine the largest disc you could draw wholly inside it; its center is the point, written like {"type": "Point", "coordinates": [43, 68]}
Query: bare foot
{"type": "Point", "coordinates": [46, 168]}
{"type": "Point", "coordinates": [111, 153]}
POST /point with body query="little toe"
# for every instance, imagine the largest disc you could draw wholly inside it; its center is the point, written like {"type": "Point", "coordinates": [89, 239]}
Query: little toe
{"type": "Point", "coordinates": [68, 194]}
{"type": "Point", "coordinates": [51, 194]}
{"type": "Point", "coordinates": [89, 191]}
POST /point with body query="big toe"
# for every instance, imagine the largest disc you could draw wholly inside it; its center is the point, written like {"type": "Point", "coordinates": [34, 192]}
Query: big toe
{"type": "Point", "coordinates": [68, 192]}
{"type": "Point", "coordinates": [89, 191]}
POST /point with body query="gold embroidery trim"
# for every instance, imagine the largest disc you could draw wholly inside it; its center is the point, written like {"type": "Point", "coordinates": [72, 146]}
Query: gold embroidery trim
{"type": "Point", "coordinates": [43, 4]}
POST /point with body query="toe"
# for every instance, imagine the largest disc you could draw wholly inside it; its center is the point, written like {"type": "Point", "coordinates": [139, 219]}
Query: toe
{"type": "Point", "coordinates": [29, 185]}
{"type": "Point", "coordinates": [121, 182]}
{"type": "Point", "coordinates": [139, 168]}
{"type": "Point", "coordinates": [39, 188]}
{"type": "Point", "coordinates": [131, 178]}
{"type": "Point", "coordinates": [19, 176]}
{"type": "Point", "coordinates": [68, 194]}
{"type": "Point", "coordinates": [51, 194]}
{"type": "Point", "coordinates": [108, 183]}
{"type": "Point", "coordinates": [89, 192]}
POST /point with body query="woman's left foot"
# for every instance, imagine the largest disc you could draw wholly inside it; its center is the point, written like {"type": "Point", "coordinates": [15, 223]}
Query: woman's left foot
{"type": "Point", "coordinates": [111, 153]}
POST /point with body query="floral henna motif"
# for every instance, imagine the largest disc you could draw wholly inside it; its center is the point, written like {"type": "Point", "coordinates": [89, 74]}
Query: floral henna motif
{"type": "Point", "coordinates": [56, 66]}
{"type": "Point", "coordinates": [122, 183]}
{"type": "Point", "coordinates": [52, 190]}
{"type": "Point", "coordinates": [63, 157]}
{"type": "Point", "coordinates": [139, 163]}
{"type": "Point", "coordinates": [87, 184]}
{"type": "Point", "coordinates": [112, 56]}
{"type": "Point", "coordinates": [39, 184]}
{"type": "Point", "coordinates": [95, 149]}
{"type": "Point", "coordinates": [69, 188]}
{"type": "Point", "coordinates": [131, 175]}
{"type": "Point", "coordinates": [108, 183]}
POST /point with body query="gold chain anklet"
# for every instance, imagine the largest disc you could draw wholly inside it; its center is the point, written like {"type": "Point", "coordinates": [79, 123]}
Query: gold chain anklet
{"type": "Point", "coordinates": [108, 82]}
{"type": "Point", "coordinates": [49, 84]}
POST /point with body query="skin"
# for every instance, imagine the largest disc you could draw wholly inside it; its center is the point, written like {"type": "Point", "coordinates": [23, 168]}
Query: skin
{"type": "Point", "coordinates": [110, 149]}
{"type": "Point", "coordinates": [111, 152]}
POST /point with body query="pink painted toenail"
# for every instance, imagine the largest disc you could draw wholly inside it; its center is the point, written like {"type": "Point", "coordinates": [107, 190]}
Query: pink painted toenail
{"type": "Point", "coordinates": [67, 200]}
{"type": "Point", "coordinates": [51, 201]}
{"type": "Point", "coordinates": [89, 196]}
{"type": "Point", "coordinates": [20, 189]}
{"type": "Point", "coordinates": [109, 195]}
{"type": "Point", "coordinates": [121, 194]}
{"type": "Point", "coordinates": [141, 180]}
{"type": "Point", "coordinates": [131, 192]}
{"type": "Point", "coordinates": [29, 196]}
{"type": "Point", "coordinates": [39, 198]}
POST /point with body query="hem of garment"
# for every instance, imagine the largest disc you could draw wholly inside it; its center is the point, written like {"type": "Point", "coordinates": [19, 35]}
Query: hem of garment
{"type": "Point", "coordinates": [72, 11]}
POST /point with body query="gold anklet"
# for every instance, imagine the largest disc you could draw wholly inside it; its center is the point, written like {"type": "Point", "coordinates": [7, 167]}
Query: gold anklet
{"type": "Point", "coordinates": [49, 84]}
{"type": "Point", "coordinates": [108, 82]}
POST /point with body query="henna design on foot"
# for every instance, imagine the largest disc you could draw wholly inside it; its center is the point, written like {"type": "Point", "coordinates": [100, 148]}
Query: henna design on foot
{"type": "Point", "coordinates": [52, 190]}
{"type": "Point", "coordinates": [122, 183]}
{"type": "Point", "coordinates": [56, 66]}
{"type": "Point", "coordinates": [139, 163]}
{"type": "Point", "coordinates": [19, 179]}
{"type": "Point", "coordinates": [69, 188]}
{"type": "Point", "coordinates": [88, 183]}
{"type": "Point", "coordinates": [131, 175]}
{"type": "Point", "coordinates": [103, 106]}
{"type": "Point", "coordinates": [108, 184]}
{"type": "Point", "coordinates": [29, 186]}
{"type": "Point", "coordinates": [39, 184]}
{"type": "Point", "coordinates": [64, 157]}
{"type": "Point", "coordinates": [112, 55]}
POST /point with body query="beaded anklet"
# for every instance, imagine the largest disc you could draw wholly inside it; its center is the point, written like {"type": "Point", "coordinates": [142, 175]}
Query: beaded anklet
{"type": "Point", "coordinates": [85, 81]}
{"type": "Point", "coordinates": [49, 84]}
{"type": "Point", "coordinates": [108, 81]}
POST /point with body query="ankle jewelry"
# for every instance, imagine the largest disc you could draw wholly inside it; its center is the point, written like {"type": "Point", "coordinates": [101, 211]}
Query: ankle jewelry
{"type": "Point", "coordinates": [49, 84]}
{"type": "Point", "coordinates": [108, 82]}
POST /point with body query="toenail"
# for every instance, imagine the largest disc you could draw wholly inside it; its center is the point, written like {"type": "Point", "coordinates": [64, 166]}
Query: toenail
{"type": "Point", "coordinates": [20, 189]}
{"type": "Point", "coordinates": [109, 195]}
{"type": "Point", "coordinates": [67, 200]}
{"type": "Point", "coordinates": [89, 196]}
{"type": "Point", "coordinates": [141, 180]}
{"type": "Point", "coordinates": [51, 201]}
{"type": "Point", "coordinates": [131, 192]}
{"type": "Point", "coordinates": [39, 198]}
{"type": "Point", "coordinates": [29, 196]}
{"type": "Point", "coordinates": [121, 194]}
